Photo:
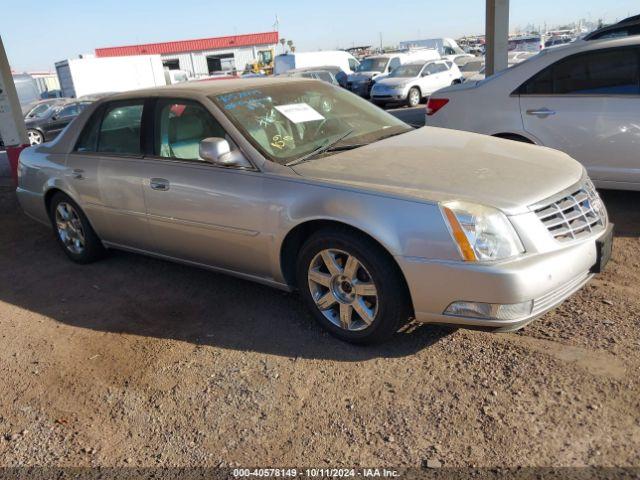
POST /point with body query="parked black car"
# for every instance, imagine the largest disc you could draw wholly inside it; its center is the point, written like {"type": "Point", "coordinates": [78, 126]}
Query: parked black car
{"type": "Point", "coordinates": [48, 124]}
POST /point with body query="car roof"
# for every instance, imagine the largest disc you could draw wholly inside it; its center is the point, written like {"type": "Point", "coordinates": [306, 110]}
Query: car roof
{"type": "Point", "coordinates": [206, 88]}
{"type": "Point", "coordinates": [621, 25]}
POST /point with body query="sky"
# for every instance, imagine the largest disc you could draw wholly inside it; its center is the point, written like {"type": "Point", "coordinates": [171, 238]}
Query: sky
{"type": "Point", "coordinates": [67, 28]}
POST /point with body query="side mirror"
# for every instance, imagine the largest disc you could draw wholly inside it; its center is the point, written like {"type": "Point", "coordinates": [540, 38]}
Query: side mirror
{"type": "Point", "coordinates": [217, 150]}
{"type": "Point", "coordinates": [54, 117]}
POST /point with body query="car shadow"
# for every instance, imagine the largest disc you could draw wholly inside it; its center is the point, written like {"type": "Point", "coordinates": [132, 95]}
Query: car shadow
{"type": "Point", "coordinates": [624, 211]}
{"type": "Point", "coordinates": [137, 295]}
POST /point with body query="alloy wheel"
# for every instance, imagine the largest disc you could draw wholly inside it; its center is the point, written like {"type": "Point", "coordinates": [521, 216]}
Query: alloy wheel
{"type": "Point", "coordinates": [414, 97]}
{"type": "Point", "coordinates": [35, 137]}
{"type": "Point", "coordinates": [343, 290]}
{"type": "Point", "coordinates": [69, 228]}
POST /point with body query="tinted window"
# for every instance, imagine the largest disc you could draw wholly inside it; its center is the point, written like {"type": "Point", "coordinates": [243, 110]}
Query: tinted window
{"type": "Point", "coordinates": [325, 76]}
{"type": "Point", "coordinates": [68, 111]}
{"type": "Point", "coordinates": [394, 63]}
{"type": "Point", "coordinates": [120, 129]}
{"type": "Point", "coordinates": [353, 64]}
{"type": "Point", "coordinates": [88, 141]}
{"type": "Point", "coordinates": [432, 68]}
{"type": "Point", "coordinates": [180, 126]}
{"type": "Point", "coordinates": [602, 72]}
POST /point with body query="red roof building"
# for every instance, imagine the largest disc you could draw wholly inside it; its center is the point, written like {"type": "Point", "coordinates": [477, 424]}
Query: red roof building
{"type": "Point", "coordinates": [184, 46]}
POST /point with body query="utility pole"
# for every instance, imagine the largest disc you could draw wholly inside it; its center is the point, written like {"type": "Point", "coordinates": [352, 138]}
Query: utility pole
{"type": "Point", "coordinates": [497, 36]}
{"type": "Point", "coordinates": [380, 41]}
{"type": "Point", "coordinates": [12, 128]}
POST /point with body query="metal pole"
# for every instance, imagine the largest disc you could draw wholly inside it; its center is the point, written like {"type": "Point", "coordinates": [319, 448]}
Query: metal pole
{"type": "Point", "coordinates": [496, 36]}
{"type": "Point", "coordinates": [12, 128]}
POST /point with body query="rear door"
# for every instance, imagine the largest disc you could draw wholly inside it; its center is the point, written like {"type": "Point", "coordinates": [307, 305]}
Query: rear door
{"type": "Point", "coordinates": [588, 105]}
{"type": "Point", "coordinates": [106, 170]}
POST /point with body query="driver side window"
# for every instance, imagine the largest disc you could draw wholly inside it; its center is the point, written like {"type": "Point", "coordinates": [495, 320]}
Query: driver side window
{"type": "Point", "coordinates": [394, 63]}
{"type": "Point", "coordinates": [180, 126]}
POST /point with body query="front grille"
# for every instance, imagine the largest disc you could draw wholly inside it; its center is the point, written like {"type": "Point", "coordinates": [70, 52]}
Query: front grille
{"type": "Point", "coordinates": [574, 216]}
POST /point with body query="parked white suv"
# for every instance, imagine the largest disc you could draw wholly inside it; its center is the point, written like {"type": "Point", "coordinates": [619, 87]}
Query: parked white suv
{"type": "Point", "coordinates": [582, 98]}
{"type": "Point", "coordinates": [379, 66]}
{"type": "Point", "coordinates": [412, 82]}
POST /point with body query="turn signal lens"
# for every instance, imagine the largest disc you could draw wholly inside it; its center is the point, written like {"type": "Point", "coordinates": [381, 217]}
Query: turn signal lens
{"type": "Point", "coordinates": [481, 233]}
{"type": "Point", "coordinates": [435, 104]}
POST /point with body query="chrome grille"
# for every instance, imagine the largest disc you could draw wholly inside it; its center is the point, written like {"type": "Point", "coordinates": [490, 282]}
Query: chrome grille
{"type": "Point", "coordinates": [574, 216]}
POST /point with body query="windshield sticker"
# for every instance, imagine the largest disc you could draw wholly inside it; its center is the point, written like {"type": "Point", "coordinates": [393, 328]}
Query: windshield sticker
{"type": "Point", "coordinates": [281, 142]}
{"type": "Point", "coordinates": [299, 112]}
{"type": "Point", "coordinates": [251, 99]}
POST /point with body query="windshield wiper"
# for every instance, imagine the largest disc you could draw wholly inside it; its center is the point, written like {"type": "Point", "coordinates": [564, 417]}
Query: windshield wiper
{"type": "Point", "coordinates": [327, 145]}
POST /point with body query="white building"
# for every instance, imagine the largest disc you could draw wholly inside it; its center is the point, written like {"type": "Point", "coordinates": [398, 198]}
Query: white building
{"type": "Point", "coordinates": [204, 56]}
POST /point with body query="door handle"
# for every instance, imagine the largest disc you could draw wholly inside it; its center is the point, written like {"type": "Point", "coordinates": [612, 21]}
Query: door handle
{"type": "Point", "coordinates": [77, 173]}
{"type": "Point", "coordinates": [159, 184]}
{"type": "Point", "coordinates": [541, 112]}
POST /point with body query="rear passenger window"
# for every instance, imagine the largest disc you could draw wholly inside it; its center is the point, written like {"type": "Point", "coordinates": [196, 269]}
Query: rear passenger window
{"type": "Point", "coordinates": [88, 141]}
{"type": "Point", "coordinates": [612, 72]}
{"type": "Point", "coordinates": [120, 129]}
{"type": "Point", "coordinates": [180, 126]}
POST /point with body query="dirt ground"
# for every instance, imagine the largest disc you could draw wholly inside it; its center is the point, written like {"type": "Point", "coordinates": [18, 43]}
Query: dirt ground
{"type": "Point", "coordinates": [137, 362]}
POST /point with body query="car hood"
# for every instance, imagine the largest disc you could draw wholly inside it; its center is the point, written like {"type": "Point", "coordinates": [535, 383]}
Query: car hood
{"type": "Point", "coordinates": [362, 76]}
{"type": "Point", "coordinates": [435, 164]}
{"type": "Point", "coordinates": [394, 81]}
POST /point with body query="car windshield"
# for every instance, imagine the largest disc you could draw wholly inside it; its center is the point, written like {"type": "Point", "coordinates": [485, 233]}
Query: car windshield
{"type": "Point", "coordinates": [288, 121]}
{"type": "Point", "coordinates": [407, 71]}
{"type": "Point", "coordinates": [377, 64]}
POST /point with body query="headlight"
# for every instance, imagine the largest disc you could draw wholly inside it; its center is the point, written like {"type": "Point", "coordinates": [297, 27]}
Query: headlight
{"type": "Point", "coordinates": [481, 233]}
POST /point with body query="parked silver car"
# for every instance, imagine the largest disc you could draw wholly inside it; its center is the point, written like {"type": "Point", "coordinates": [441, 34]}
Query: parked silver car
{"type": "Point", "coordinates": [302, 185]}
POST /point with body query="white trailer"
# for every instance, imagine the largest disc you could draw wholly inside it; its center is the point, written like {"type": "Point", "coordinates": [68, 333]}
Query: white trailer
{"type": "Point", "coordinates": [336, 58]}
{"type": "Point", "coordinates": [91, 75]}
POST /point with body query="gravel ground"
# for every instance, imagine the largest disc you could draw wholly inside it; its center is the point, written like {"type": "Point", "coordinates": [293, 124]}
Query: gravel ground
{"type": "Point", "coordinates": [137, 362]}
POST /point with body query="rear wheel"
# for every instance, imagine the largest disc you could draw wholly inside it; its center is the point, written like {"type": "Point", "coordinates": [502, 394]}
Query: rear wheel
{"type": "Point", "coordinates": [352, 286]}
{"type": "Point", "coordinates": [35, 137]}
{"type": "Point", "coordinates": [413, 98]}
{"type": "Point", "coordinates": [73, 231]}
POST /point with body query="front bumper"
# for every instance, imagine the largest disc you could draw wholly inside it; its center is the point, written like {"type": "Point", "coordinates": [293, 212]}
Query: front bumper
{"type": "Point", "coordinates": [548, 279]}
{"type": "Point", "coordinates": [388, 97]}
{"type": "Point", "coordinates": [360, 88]}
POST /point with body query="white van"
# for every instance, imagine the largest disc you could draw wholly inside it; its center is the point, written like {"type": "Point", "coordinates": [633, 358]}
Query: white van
{"type": "Point", "coordinates": [298, 60]}
{"type": "Point", "coordinates": [379, 66]}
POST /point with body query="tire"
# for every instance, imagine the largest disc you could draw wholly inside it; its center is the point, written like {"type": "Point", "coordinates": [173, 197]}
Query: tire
{"type": "Point", "coordinates": [375, 272]}
{"type": "Point", "coordinates": [35, 136]}
{"type": "Point", "coordinates": [73, 231]}
{"type": "Point", "coordinates": [413, 97]}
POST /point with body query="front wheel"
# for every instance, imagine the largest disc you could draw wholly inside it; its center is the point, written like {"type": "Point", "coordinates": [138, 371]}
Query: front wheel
{"type": "Point", "coordinates": [352, 286]}
{"type": "Point", "coordinates": [413, 98]}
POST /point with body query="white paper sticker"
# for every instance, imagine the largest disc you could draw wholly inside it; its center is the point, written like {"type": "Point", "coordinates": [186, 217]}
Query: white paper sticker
{"type": "Point", "coordinates": [299, 112]}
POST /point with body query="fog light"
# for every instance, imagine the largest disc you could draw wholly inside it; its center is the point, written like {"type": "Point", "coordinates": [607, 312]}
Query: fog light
{"type": "Point", "coordinates": [491, 311]}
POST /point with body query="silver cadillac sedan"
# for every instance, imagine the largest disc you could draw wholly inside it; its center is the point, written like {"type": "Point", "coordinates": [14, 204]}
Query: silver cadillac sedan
{"type": "Point", "coordinates": [304, 186]}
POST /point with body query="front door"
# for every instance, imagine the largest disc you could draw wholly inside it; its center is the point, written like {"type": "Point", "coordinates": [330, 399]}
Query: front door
{"type": "Point", "coordinates": [588, 106]}
{"type": "Point", "coordinates": [199, 212]}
